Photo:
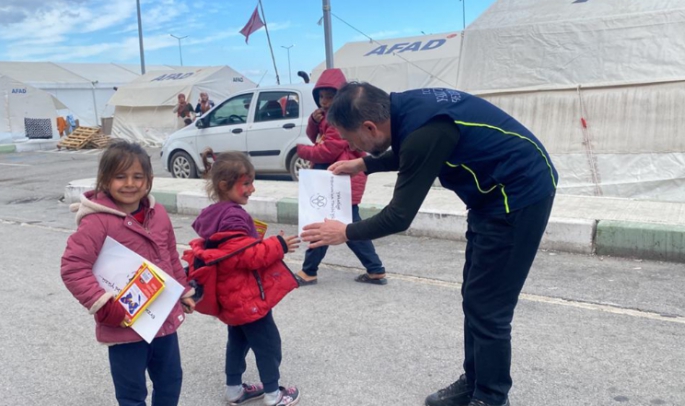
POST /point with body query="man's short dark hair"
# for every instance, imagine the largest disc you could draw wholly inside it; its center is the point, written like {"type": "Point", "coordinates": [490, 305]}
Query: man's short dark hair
{"type": "Point", "coordinates": [357, 102]}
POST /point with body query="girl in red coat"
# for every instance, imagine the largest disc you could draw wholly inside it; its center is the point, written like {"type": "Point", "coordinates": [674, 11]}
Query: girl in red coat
{"type": "Point", "coordinates": [329, 148]}
{"type": "Point", "coordinates": [121, 207]}
{"type": "Point", "coordinates": [251, 279]}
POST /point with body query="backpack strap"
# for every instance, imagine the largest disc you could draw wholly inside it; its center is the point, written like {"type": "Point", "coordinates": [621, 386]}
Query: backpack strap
{"type": "Point", "coordinates": [209, 244]}
{"type": "Point", "coordinates": [238, 251]}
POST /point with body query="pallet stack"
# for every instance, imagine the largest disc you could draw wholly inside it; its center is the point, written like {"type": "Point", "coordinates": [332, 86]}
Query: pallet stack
{"type": "Point", "coordinates": [84, 137]}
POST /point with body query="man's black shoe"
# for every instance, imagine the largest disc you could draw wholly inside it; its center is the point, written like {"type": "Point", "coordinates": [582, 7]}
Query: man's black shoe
{"type": "Point", "coordinates": [478, 402]}
{"type": "Point", "coordinates": [457, 394]}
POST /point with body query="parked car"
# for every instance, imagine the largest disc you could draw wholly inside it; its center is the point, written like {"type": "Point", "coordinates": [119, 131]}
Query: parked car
{"type": "Point", "coordinates": [266, 123]}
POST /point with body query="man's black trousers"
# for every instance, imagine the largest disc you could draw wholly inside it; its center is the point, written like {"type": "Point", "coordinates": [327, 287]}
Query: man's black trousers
{"type": "Point", "coordinates": [500, 250]}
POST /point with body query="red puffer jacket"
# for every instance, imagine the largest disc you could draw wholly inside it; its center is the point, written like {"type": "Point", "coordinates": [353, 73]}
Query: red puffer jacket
{"type": "Point", "coordinates": [243, 277]}
{"type": "Point", "coordinates": [328, 146]}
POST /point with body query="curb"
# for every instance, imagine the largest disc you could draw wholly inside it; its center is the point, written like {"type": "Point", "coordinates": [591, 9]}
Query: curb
{"type": "Point", "coordinates": [7, 148]}
{"type": "Point", "coordinates": [642, 240]}
{"type": "Point", "coordinates": [568, 235]}
{"type": "Point", "coordinates": [36, 145]}
{"type": "Point", "coordinates": [579, 236]}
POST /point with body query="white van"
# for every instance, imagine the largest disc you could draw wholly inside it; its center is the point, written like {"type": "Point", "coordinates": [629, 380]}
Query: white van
{"type": "Point", "coordinates": [266, 123]}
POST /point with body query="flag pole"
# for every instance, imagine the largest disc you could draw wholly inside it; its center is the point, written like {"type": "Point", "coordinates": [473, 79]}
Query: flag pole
{"type": "Point", "coordinates": [328, 36]}
{"type": "Point", "coordinates": [278, 80]}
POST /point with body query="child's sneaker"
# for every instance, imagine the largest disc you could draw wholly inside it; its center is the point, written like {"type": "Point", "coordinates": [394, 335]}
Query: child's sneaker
{"type": "Point", "coordinates": [289, 396]}
{"type": "Point", "coordinates": [250, 392]}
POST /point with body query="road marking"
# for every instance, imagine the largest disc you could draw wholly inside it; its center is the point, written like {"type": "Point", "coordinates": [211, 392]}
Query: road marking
{"type": "Point", "coordinates": [607, 308]}
{"type": "Point", "coordinates": [597, 307]}
{"type": "Point", "coordinates": [14, 164]}
{"type": "Point", "coordinates": [39, 226]}
{"type": "Point", "coordinates": [73, 151]}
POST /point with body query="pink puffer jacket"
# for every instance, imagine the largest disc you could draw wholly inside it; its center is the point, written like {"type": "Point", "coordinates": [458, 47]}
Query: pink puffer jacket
{"type": "Point", "coordinates": [97, 218]}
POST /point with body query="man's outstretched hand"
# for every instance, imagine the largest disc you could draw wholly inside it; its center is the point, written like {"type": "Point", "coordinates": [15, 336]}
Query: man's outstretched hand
{"type": "Point", "coordinates": [351, 168]}
{"type": "Point", "coordinates": [330, 232]}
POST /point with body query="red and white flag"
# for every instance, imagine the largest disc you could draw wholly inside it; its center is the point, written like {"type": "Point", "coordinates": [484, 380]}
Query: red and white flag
{"type": "Point", "coordinates": [252, 25]}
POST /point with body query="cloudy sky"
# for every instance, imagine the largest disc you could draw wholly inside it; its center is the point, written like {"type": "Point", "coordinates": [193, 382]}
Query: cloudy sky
{"type": "Point", "coordinates": [107, 31]}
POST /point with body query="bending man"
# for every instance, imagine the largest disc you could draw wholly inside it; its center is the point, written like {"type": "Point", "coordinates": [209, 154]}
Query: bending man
{"type": "Point", "coordinates": [495, 165]}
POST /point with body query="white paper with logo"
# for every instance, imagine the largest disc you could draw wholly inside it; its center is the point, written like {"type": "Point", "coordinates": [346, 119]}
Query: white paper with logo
{"type": "Point", "coordinates": [323, 196]}
{"type": "Point", "coordinates": [115, 266]}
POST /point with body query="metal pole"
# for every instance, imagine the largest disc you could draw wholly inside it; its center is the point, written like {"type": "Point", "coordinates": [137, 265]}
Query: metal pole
{"type": "Point", "coordinates": [290, 76]}
{"type": "Point", "coordinates": [327, 33]}
{"type": "Point", "coordinates": [180, 54]}
{"type": "Point", "coordinates": [463, 13]}
{"type": "Point", "coordinates": [268, 39]}
{"type": "Point", "coordinates": [140, 40]}
{"type": "Point", "coordinates": [95, 104]}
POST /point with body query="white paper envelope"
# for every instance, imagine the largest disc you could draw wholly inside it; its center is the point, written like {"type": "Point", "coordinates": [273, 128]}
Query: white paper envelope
{"type": "Point", "coordinates": [116, 265]}
{"type": "Point", "coordinates": [323, 196]}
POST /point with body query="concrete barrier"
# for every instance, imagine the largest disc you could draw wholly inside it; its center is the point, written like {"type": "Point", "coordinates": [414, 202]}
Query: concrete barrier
{"type": "Point", "coordinates": [7, 148]}
{"type": "Point", "coordinates": [36, 145]}
{"type": "Point", "coordinates": [191, 202]}
{"type": "Point", "coordinates": [641, 240]}
{"type": "Point", "coordinates": [570, 235]}
{"type": "Point", "coordinates": [582, 236]}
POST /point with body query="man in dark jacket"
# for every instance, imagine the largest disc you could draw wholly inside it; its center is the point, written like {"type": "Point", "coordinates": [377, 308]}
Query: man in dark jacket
{"type": "Point", "coordinates": [495, 165]}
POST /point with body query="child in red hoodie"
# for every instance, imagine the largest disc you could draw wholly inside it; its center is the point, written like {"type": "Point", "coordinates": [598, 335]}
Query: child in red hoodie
{"type": "Point", "coordinates": [250, 279]}
{"type": "Point", "coordinates": [329, 148]}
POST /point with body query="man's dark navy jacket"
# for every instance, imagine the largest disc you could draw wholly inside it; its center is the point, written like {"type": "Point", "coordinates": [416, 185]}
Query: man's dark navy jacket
{"type": "Point", "coordinates": [498, 165]}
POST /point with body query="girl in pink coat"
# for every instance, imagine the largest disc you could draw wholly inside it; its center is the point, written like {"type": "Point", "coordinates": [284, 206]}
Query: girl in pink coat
{"type": "Point", "coordinates": [120, 207]}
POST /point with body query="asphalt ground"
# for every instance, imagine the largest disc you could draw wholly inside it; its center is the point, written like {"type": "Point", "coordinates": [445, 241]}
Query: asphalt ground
{"type": "Point", "coordinates": [588, 330]}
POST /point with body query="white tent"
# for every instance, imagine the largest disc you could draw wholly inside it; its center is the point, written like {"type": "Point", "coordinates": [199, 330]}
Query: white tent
{"type": "Point", "coordinates": [601, 82]}
{"type": "Point", "coordinates": [135, 68]}
{"type": "Point", "coordinates": [20, 101]}
{"type": "Point", "coordinates": [144, 107]}
{"type": "Point", "coordinates": [83, 88]}
{"type": "Point", "coordinates": [400, 63]}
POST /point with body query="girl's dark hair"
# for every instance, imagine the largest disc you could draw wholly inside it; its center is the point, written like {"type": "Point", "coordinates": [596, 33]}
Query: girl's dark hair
{"type": "Point", "coordinates": [227, 167]}
{"type": "Point", "coordinates": [118, 157]}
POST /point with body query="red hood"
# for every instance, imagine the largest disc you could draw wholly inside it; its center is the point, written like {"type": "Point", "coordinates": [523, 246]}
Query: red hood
{"type": "Point", "coordinates": [330, 78]}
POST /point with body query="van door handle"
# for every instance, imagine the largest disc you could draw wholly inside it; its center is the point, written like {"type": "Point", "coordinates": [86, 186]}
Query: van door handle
{"type": "Point", "coordinates": [237, 131]}
{"type": "Point", "coordinates": [289, 126]}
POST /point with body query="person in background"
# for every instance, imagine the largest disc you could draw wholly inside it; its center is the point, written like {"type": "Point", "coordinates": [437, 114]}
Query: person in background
{"type": "Point", "coordinates": [204, 104]}
{"type": "Point", "coordinates": [329, 148]}
{"type": "Point", "coordinates": [184, 111]}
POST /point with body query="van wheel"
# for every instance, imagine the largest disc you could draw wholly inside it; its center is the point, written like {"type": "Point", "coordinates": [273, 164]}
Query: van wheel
{"type": "Point", "coordinates": [183, 166]}
{"type": "Point", "coordinates": [296, 163]}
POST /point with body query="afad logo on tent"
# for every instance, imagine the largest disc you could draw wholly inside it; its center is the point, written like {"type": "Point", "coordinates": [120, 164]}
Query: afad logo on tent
{"type": "Point", "coordinates": [410, 46]}
{"type": "Point", "coordinates": [174, 76]}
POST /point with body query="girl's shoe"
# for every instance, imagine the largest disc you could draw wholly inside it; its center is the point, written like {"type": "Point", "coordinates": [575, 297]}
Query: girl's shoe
{"type": "Point", "coordinates": [289, 396]}
{"type": "Point", "coordinates": [250, 393]}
